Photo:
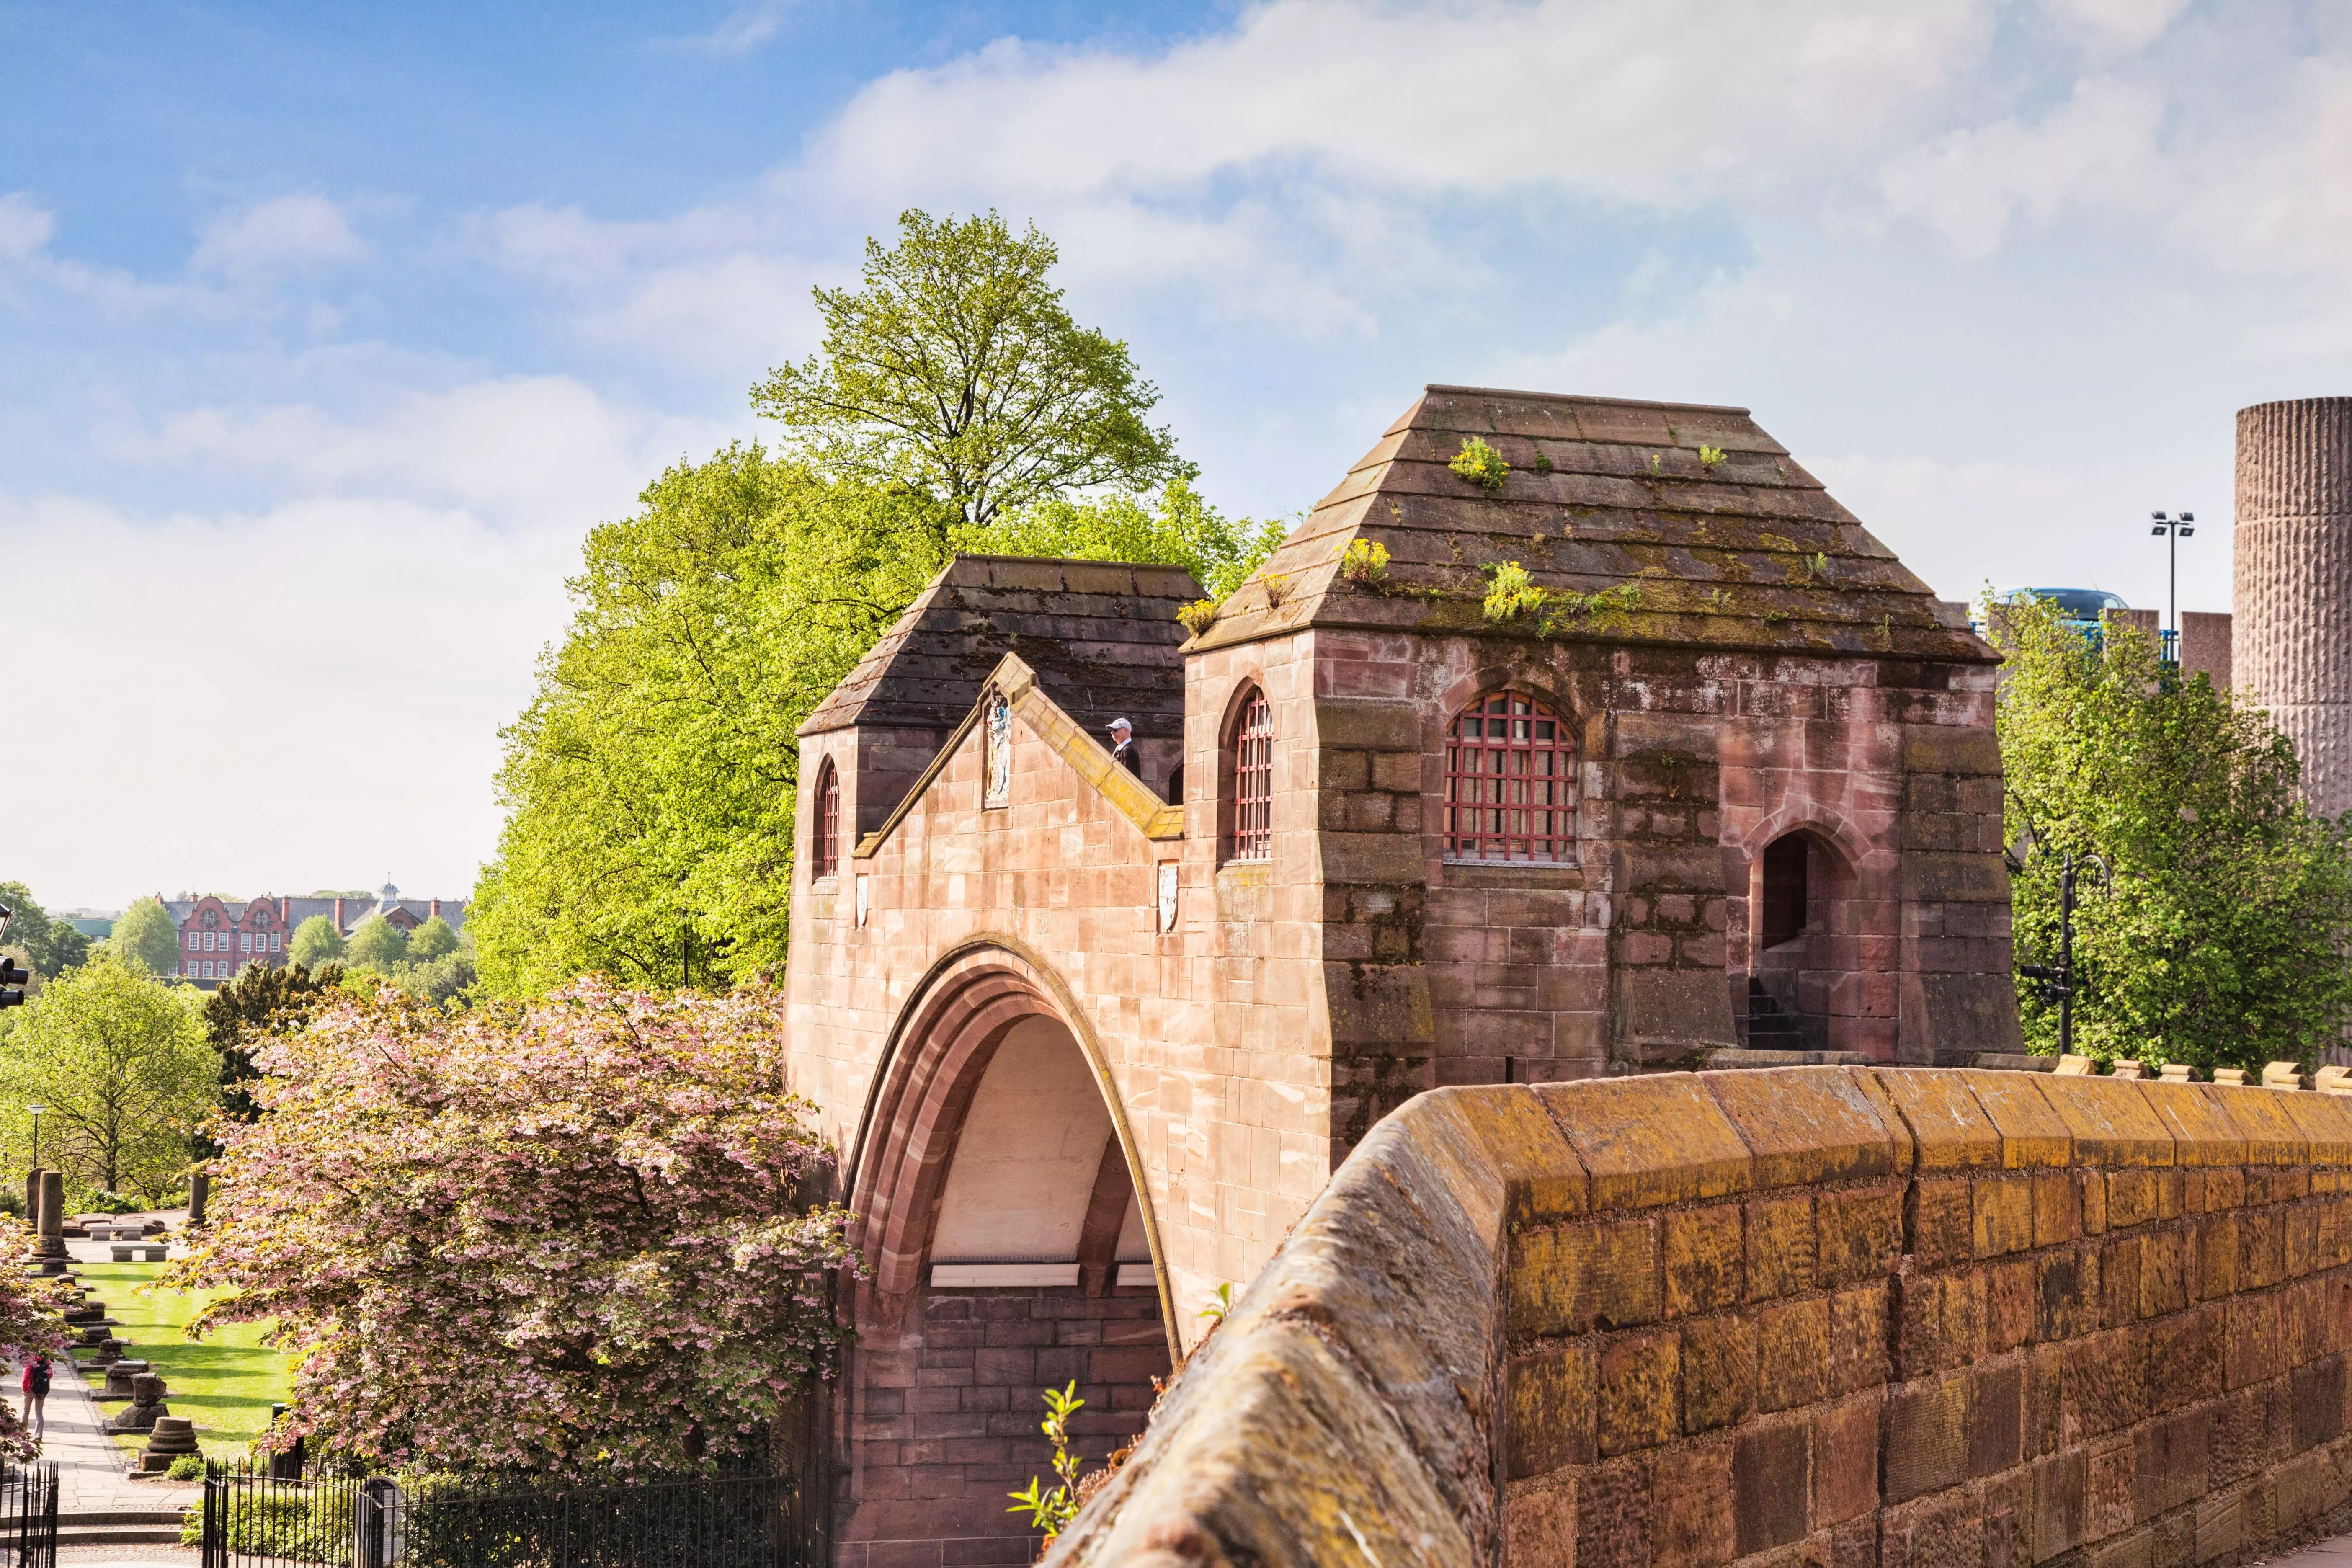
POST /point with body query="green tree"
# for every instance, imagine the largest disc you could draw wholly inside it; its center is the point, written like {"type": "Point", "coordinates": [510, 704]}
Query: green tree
{"type": "Point", "coordinates": [377, 943]}
{"type": "Point", "coordinates": [316, 941]}
{"type": "Point", "coordinates": [262, 1000]}
{"type": "Point", "coordinates": [145, 936]}
{"type": "Point", "coordinates": [47, 947]}
{"type": "Point", "coordinates": [957, 371]}
{"type": "Point", "coordinates": [119, 1060]}
{"type": "Point", "coordinates": [1182, 531]}
{"type": "Point", "coordinates": [650, 785]}
{"type": "Point", "coordinates": [430, 941]}
{"type": "Point", "coordinates": [2222, 940]}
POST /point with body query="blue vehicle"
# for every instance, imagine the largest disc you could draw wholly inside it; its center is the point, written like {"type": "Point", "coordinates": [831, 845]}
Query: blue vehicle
{"type": "Point", "coordinates": [2081, 606]}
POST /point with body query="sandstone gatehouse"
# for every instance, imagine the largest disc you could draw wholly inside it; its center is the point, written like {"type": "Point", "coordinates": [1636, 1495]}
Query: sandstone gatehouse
{"type": "Point", "coordinates": [1640, 753]}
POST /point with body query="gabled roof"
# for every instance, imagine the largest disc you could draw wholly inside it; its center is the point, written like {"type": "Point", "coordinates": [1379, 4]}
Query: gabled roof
{"type": "Point", "coordinates": [1087, 756]}
{"type": "Point", "coordinates": [1101, 637]}
{"type": "Point", "coordinates": [1708, 531]}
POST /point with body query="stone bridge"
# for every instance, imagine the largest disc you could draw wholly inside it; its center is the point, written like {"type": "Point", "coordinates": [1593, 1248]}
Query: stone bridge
{"type": "Point", "coordinates": [1828, 1317]}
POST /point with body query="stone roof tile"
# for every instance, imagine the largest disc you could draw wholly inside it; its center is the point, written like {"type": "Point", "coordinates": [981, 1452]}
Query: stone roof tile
{"type": "Point", "coordinates": [1747, 551]}
{"type": "Point", "coordinates": [1101, 637]}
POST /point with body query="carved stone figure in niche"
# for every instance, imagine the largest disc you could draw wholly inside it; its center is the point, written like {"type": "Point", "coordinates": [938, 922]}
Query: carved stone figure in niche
{"type": "Point", "coordinates": [999, 720]}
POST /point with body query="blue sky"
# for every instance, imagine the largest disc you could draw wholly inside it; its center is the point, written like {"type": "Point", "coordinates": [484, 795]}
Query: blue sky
{"type": "Point", "coordinates": [327, 330]}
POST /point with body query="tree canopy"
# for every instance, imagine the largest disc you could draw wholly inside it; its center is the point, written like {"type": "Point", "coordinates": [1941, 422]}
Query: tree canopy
{"type": "Point", "coordinates": [315, 942]}
{"type": "Point", "coordinates": [651, 785]}
{"type": "Point", "coordinates": [376, 943]}
{"type": "Point", "coordinates": [562, 1238]}
{"type": "Point", "coordinates": [47, 947]}
{"type": "Point", "coordinates": [262, 998]}
{"type": "Point", "coordinates": [2222, 940]}
{"type": "Point", "coordinates": [432, 940]}
{"type": "Point", "coordinates": [118, 1057]}
{"type": "Point", "coordinates": [146, 937]}
{"type": "Point", "coordinates": [956, 371]}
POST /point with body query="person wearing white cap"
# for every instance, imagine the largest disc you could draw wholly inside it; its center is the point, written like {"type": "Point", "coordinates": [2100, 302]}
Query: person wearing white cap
{"type": "Point", "coordinates": [1122, 747]}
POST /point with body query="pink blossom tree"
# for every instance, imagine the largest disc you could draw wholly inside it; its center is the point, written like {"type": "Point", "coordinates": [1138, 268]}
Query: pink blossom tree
{"type": "Point", "coordinates": [569, 1236]}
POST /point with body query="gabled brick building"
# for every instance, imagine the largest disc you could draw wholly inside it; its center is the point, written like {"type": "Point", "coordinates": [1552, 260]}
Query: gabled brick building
{"type": "Point", "coordinates": [1645, 755]}
{"type": "Point", "coordinates": [218, 936]}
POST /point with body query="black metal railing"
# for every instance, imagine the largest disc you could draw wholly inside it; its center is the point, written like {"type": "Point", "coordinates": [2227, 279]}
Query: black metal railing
{"type": "Point", "coordinates": [261, 1513]}
{"type": "Point", "coordinates": [354, 1520]}
{"type": "Point", "coordinates": [28, 1516]}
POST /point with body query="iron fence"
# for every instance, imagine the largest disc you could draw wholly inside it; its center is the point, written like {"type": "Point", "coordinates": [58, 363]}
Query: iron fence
{"type": "Point", "coordinates": [28, 1515]}
{"type": "Point", "coordinates": [352, 1519]}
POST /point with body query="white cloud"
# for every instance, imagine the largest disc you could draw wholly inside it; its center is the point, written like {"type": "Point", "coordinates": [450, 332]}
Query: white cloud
{"type": "Point", "coordinates": [1664, 103]}
{"type": "Point", "coordinates": [288, 230]}
{"type": "Point", "coordinates": [540, 450]}
{"type": "Point", "coordinates": [2099, 147]}
{"type": "Point", "coordinates": [744, 29]}
{"type": "Point", "coordinates": [25, 225]}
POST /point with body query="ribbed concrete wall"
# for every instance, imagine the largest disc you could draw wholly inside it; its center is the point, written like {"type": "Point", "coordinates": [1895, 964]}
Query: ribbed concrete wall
{"type": "Point", "coordinates": [2291, 643]}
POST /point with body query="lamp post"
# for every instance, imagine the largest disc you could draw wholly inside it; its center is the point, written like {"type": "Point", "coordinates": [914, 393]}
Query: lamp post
{"type": "Point", "coordinates": [2057, 981]}
{"type": "Point", "coordinates": [35, 1108]}
{"type": "Point", "coordinates": [2173, 530]}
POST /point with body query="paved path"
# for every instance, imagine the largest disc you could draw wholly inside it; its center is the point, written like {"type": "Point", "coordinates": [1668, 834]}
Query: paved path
{"type": "Point", "coordinates": [91, 1466]}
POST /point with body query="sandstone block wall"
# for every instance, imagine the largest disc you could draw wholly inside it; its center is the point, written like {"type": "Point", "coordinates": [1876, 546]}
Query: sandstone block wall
{"type": "Point", "coordinates": [1877, 1318]}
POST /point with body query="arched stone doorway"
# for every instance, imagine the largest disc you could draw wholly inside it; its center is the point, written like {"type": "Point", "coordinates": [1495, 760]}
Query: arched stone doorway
{"type": "Point", "coordinates": [1807, 926]}
{"type": "Point", "coordinates": [1008, 1252]}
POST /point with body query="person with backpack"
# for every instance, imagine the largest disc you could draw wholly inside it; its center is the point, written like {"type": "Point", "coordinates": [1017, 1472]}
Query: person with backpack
{"type": "Point", "coordinates": [37, 1395]}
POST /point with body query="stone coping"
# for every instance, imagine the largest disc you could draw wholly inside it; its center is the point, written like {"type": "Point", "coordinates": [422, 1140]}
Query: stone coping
{"type": "Point", "coordinates": [1364, 1402]}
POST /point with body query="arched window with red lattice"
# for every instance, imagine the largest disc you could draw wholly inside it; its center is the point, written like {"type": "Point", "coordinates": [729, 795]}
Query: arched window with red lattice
{"type": "Point", "coordinates": [1510, 782]}
{"type": "Point", "coordinates": [825, 834]}
{"type": "Point", "coordinates": [1250, 787]}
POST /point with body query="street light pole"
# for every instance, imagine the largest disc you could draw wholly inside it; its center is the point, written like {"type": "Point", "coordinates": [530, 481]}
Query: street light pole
{"type": "Point", "coordinates": [2173, 530]}
{"type": "Point", "coordinates": [2057, 981]}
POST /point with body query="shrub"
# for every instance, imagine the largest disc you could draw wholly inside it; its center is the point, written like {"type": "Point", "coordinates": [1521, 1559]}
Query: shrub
{"type": "Point", "coordinates": [1199, 615]}
{"type": "Point", "coordinates": [186, 1467]}
{"type": "Point", "coordinates": [1480, 464]}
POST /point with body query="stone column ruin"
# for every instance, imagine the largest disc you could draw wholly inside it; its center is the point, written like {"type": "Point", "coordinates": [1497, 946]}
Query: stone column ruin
{"type": "Point", "coordinates": [2291, 638]}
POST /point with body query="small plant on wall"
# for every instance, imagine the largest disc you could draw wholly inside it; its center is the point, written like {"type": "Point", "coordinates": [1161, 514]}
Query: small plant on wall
{"type": "Point", "coordinates": [1713, 457]}
{"type": "Point", "coordinates": [1511, 594]}
{"type": "Point", "coordinates": [1051, 1510]}
{"type": "Point", "coordinates": [1366, 561]}
{"type": "Point", "coordinates": [1480, 464]}
{"type": "Point", "coordinates": [1198, 617]}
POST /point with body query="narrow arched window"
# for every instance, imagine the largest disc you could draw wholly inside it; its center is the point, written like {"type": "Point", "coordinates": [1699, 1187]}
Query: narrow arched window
{"type": "Point", "coordinates": [825, 839]}
{"type": "Point", "coordinates": [1251, 785]}
{"type": "Point", "coordinates": [1510, 782]}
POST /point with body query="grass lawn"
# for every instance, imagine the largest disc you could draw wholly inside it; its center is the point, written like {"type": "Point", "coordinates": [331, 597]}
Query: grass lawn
{"type": "Point", "coordinates": [225, 1382]}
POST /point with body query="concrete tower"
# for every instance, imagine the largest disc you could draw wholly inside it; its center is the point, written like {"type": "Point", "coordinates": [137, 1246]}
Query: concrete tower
{"type": "Point", "coordinates": [2291, 640]}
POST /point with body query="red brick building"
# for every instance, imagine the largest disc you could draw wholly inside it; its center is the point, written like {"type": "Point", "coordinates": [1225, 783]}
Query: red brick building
{"type": "Point", "coordinates": [1716, 773]}
{"type": "Point", "coordinates": [220, 936]}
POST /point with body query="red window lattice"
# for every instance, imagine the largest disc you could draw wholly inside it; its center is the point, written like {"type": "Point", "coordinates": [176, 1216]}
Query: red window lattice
{"type": "Point", "coordinates": [1510, 782]}
{"type": "Point", "coordinates": [1253, 791]}
{"type": "Point", "coordinates": [826, 849]}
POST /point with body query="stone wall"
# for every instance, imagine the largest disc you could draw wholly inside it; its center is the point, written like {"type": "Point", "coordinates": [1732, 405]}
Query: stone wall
{"type": "Point", "coordinates": [946, 1414]}
{"type": "Point", "coordinates": [1853, 1317]}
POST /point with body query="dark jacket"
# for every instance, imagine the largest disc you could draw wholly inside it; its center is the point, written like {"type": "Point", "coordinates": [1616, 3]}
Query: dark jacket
{"type": "Point", "coordinates": [1125, 757]}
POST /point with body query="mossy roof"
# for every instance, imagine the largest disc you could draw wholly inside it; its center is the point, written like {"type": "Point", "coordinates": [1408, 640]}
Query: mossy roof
{"type": "Point", "coordinates": [1101, 636]}
{"type": "Point", "coordinates": [1700, 527]}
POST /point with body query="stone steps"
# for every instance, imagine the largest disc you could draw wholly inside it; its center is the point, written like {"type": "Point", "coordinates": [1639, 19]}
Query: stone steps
{"type": "Point", "coordinates": [121, 1527]}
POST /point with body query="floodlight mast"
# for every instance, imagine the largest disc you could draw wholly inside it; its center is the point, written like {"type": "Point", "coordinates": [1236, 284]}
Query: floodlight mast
{"type": "Point", "coordinates": [2173, 530]}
